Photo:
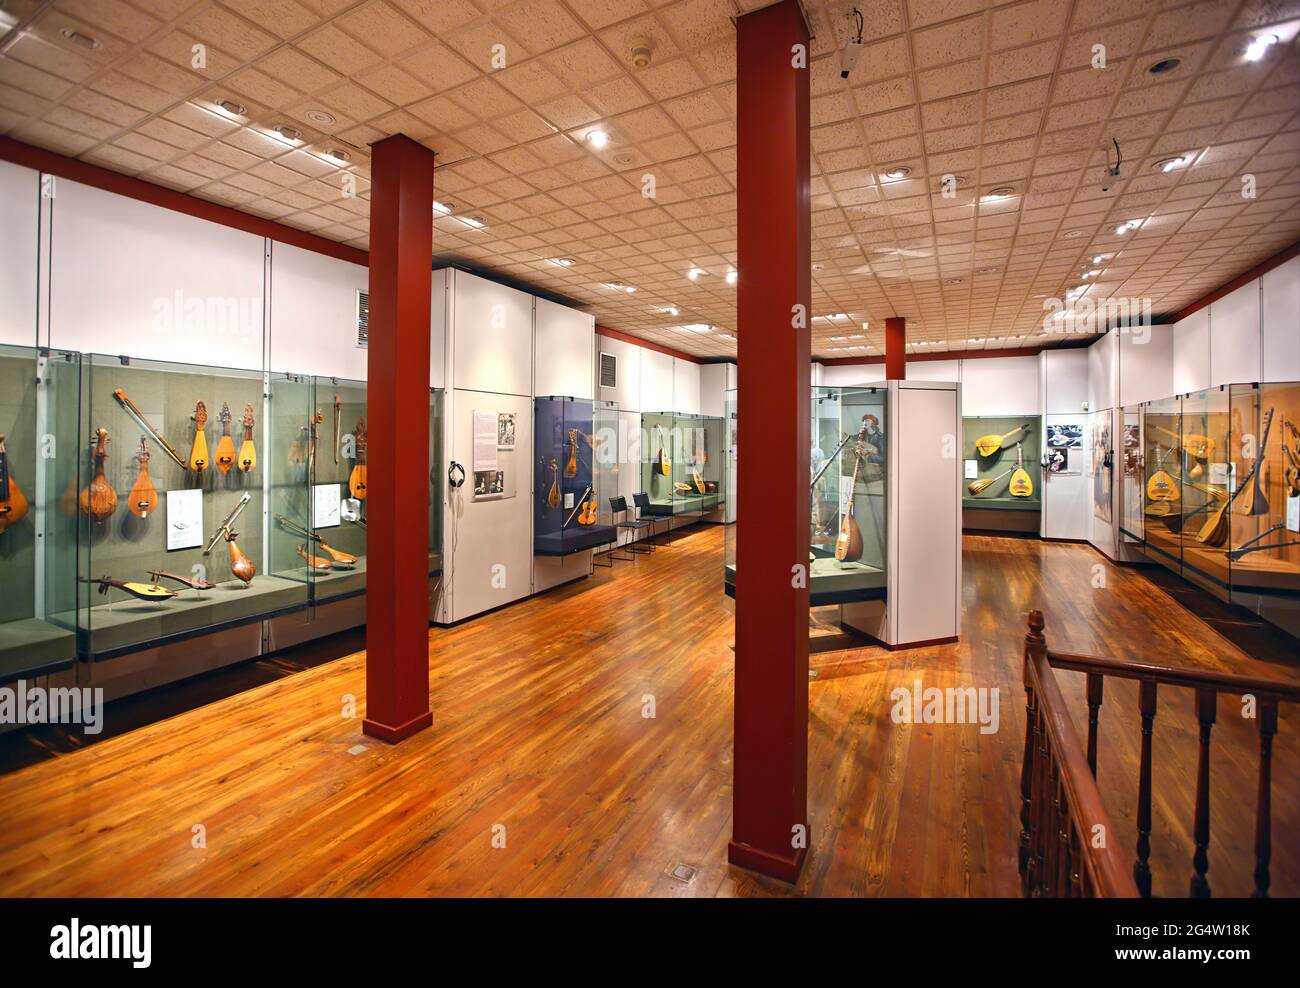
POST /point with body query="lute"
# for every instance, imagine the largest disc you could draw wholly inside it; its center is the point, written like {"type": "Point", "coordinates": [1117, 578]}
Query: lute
{"type": "Point", "coordinates": [140, 591]}
{"type": "Point", "coordinates": [13, 505]}
{"type": "Point", "coordinates": [247, 452]}
{"type": "Point", "coordinates": [337, 556]}
{"type": "Point", "coordinates": [98, 499]}
{"type": "Point", "coordinates": [1215, 530]}
{"type": "Point", "coordinates": [1021, 485]}
{"type": "Point", "coordinates": [226, 444]}
{"type": "Point", "coordinates": [240, 565]}
{"type": "Point", "coordinates": [848, 545]}
{"type": "Point", "coordinates": [357, 479]}
{"type": "Point", "coordinates": [571, 468]}
{"type": "Point", "coordinates": [199, 450]}
{"type": "Point", "coordinates": [1161, 486]}
{"type": "Point", "coordinates": [148, 426]}
{"type": "Point", "coordinates": [553, 497]}
{"type": "Point", "coordinates": [144, 496]}
{"type": "Point", "coordinates": [988, 445]}
{"type": "Point", "coordinates": [977, 487]}
{"type": "Point", "coordinates": [315, 563]}
{"type": "Point", "coordinates": [664, 465]}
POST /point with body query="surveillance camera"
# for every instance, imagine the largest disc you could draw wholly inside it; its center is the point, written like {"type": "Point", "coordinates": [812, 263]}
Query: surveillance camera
{"type": "Point", "coordinates": [849, 56]}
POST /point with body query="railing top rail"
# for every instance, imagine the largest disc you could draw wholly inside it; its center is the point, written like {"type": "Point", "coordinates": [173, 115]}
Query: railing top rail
{"type": "Point", "coordinates": [1172, 675]}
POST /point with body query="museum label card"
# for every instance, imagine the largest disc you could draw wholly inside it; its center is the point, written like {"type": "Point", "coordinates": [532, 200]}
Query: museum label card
{"type": "Point", "coordinates": [326, 501]}
{"type": "Point", "coordinates": [184, 519]}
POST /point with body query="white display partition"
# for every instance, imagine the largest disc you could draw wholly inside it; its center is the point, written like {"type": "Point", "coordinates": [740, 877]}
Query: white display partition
{"type": "Point", "coordinates": [1279, 311]}
{"type": "Point", "coordinates": [1064, 375]}
{"type": "Point", "coordinates": [562, 343]}
{"type": "Point", "coordinates": [923, 602]}
{"type": "Point", "coordinates": [1234, 336]}
{"type": "Point", "coordinates": [1191, 371]}
{"type": "Point", "coordinates": [20, 202]}
{"type": "Point", "coordinates": [313, 327]}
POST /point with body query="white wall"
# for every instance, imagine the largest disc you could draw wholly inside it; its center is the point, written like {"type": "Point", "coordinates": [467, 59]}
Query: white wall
{"type": "Point", "coordinates": [1234, 337]}
{"type": "Point", "coordinates": [20, 199]}
{"type": "Point", "coordinates": [1191, 371]}
{"type": "Point", "coordinates": [1066, 497]}
{"type": "Point", "coordinates": [313, 314]}
{"type": "Point", "coordinates": [627, 389]}
{"type": "Point", "coordinates": [713, 388]}
{"type": "Point", "coordinates": [1000, 386]}
{"type": "Point", "coordinates": [1146, 364]}
{"type": "Point", "coordinates": [562, 365]}
{"type": "Point", "coordinates": [686, 387]}
{"type": "Point", "coordinates": [657, 380]}
{"type": "Point", "coordinates": [493, 327]}
{"type": "Point", "coordinates": [1280, 319]}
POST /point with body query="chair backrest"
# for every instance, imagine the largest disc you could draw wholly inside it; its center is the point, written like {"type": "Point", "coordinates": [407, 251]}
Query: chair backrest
{"type": "Point", "coordinates": [642, 501]}
{"type": "Point", "coordinates": [617, 505]}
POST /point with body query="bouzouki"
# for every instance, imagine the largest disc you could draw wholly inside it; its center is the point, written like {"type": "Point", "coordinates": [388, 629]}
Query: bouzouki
{"type": "Point", "coordinates": [140, 591]}
{"type": "Point", "coordinates": [1254, 501]}
{"type": "Point", "coordinates": [13, 505]}
{"type": "Point", "coordinates": [553, 497]}
{"type": "Point", "coordinates": [240, 565]}
{"type": "Point", "coordinates": [1021, 485]}
{"type": "Point", "coordinates": [848, 545]}
{"type": "Point", "coordinates": [199, 451]}
{"type": "Point", "coordinates": [571, 468]}
{"type": "Point", "coordinates": [1215, 530]}
{"type": "Point", "coordinates": [337, 556]}
{"type": "Point", "coordinates": [193, 582]}
{"type": "Point", "coordinates": [226, 444]}
{"type": "Point", "coordinates": [148, 426]}
{"type": "Point", "coordinates": [1198, 448]}
{"type": "Point", "coordinates": [98, 499]}
{"type": "Point", "coordinates": [988, 445]}
{"type": "Point", "coordinates": [664, 465]}
{"type": "Point", "coordinates": [247, 452]}
{"type": "Point", "coordinates": [357, 479]}
{"type": "Point", "coordinates": [1161, 486]}
{"type": "Point", "coordinates": [144, 496]}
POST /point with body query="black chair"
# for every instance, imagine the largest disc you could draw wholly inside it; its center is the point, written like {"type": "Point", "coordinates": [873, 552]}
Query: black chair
{"type": "Point", "coordinates": [642, 502]}
{"type": "Point", "coordinates": [618, 507]}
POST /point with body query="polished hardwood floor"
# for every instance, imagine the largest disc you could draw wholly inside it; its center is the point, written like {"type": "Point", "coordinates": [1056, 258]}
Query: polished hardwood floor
{"type": "Point", "coordinates": [538, 729]}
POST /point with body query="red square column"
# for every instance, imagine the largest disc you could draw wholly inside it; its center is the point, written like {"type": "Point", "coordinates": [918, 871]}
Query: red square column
{"type": "Point", "coordinates": [769, 801]}
{"type": "Point", "coordinates": [397, 512]}
{"type": "Point", "coordinates": [895, 348]}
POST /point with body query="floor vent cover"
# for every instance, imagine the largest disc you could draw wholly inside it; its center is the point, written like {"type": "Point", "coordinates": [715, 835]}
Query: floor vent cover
{"type": "Point", "coordinates": [684, 873]}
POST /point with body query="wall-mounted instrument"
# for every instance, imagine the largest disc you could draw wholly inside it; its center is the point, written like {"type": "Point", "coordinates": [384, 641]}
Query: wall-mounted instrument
{"type": "Point", "coordinates": [247, 452]}
{"type": "Point", "coordinates": [98, 499]}
{"type": "Point", "coordinates": [848, 545]}
{"type": "Point", "coordinates": [696, 480]}
{"type": "Point", "coordinates": [144, 496]}
{"type": "Point", "coordinates": [312, 423]}
{"type": "Point", "coordinates": [663, 465]}
{"type": "Point", "coordinates": [130, 407]}
{"type": "Point", "coordinates": [344, 560]}
{"type": "Point", "coordinates": [357, 479]}
{"type": "Point", "coordinates": [193, 582]}
{"type": "Point", "coordinates": [988, 445]}
{"type": "Point", "coordinates": [1021, 485]}
{"type": "Point", "coordinates": [553, 497]}
{"type": "Point", "coordinates": [579, 509]}
{"type": "Point", "coordinates": [338, 415]}
{"type": "Point", "coordinates": [226, 444]}
{"type": "Point", "coordinates": [1215, 530]}
{"type": "Point", "coordinates": [1198, 448]}
{"type": "Point", "coordinates": [314, 563]}
{"type": "Point", "coordinates": [140, 591]}
{"type": "Point", "coordinates": [1253, 500]}
{"type": "Point", "coordinates": [681, 488]}
{"type": "Point", "coordinates": [13, 505]}
{"type": "Point", "coordinates": [1161, 486]}
{"type": "Point", "coordinates": [240, 565]}
{"type": "Point", "coordinates": [1292, 471]}
{"type": "Point", "coordinates": [199, 450]}
{"type": "Point", "coordinates": [977, 487]}
{"type": "Point", "coordinates": [571, 468]}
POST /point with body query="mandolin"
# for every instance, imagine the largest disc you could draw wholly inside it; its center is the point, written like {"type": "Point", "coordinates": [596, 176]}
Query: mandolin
{"type": "Point", "coordinates": [1161, 486]}
{"type": "Point", "coordinates": [140, 591]}
{"type": "Point", "coordinates": [144, 496]}
{"type": "Point", "coordinates": [1253, 500]}
{"type": "Point", "coordinates": [357, 479]}
{"type": "Point", "coordinates": [848, 546]}
{"type": "Point", "coordinates": [225, 445]}
{"type": "Point", "coordinates": [98, 499]}
{"type": "Point", "coordinates": [664, 465]}
{"type": "Point", "coordinates": [193, 582]}
{"type": "Point", "coordinates": [988, 445]}
{"type": "Point", "coordinates": [571, 468]}
{"type": "Point", "coordinates": [337, 557]}
{"type": "Point", "coordinates": [553, 497]}
{"type": "Point", "coordinates": [1021, 485]}
{"type": "Point", "coordinates": [1215, 530]}
{"type": "Point", "coordinates": [148, 426]}
{"type": "Point", "coordinates": [314, 562]}
{"type": "Point", "coordinates": [247, 453]}
{"type": "Point", "coordinates": [13, 505]}
{"type": "Point", "coordinates": [199, 451]}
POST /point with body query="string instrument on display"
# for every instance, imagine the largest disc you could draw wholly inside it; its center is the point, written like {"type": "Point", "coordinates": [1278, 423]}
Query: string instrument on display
{"type": "Point", "coordinates": [13, 505]}
{"type": "Point", "coordinates": [199, 451]}
{"type": "Point", "coordinates": [338, 410]}
{"type": "Point", "coordinates": [98, 499]}
{"type": "Point", "coordinates": [312, 422]}
{"type": "Point", "coordinates": [240, 565]}
{"type": "Point", "coordinates": [588, 516]}
{"type": "Point", "coordinates": [339, 558]}
{"type": "Point", "coordinates": [1161, 486]}
{"type": "Point", "coordinates": [357, 479]}
{"type": "Point", "coordinates": [571, 468]}
{"type": "Point", "coordinates": [1215, 530]}
{"type": "Point", "coordinates": [664, 465]}
{"type": "Point", "coordinates": [583, 510]}
{"type": "Point", "coordinates": [1021, 485]}
{"type": "Point", "coordinates": [848, 546]}
{"type": "Point", "coordinates": [140, 591]}
{"type": "Point", "coordinates": [193, 582]}
{"type": "Point", "coordinates": [144, 496]}
{"type": "Point", "coordinates": [1253, 501]}
{"type": "Point", "coordinates": [247, 453]}
{"type": "Point", "coordinates": [314, 562]}
{"type": "Point", "coordinates": [980, 486]}
{"type": "Point", "coordinates": [226, 444]}
{"type": "Point", "coordinates": [148, 426]}
{"type": "Point", "coordinates": [1292, 471]}
{"type": "Point", "coordinates": [553, 497]}
{"type": "Point", "coordinates": [988, 445]}
{"type": "Point", "coordinates": [696, 479]}
{"type": "Point", "coordinates": [1199, 448]}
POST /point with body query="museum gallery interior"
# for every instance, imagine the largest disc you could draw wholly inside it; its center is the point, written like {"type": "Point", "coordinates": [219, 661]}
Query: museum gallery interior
{"type": "Point", "coordinates": [820, 449]}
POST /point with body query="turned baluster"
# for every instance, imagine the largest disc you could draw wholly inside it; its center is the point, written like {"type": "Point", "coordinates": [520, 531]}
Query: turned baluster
{"type": "Point", "coordinates": [1034, 642]}
{"type": "Point", "coordinates": [1095, 680]}
{"type": "Point", "coordinates": [1141, 867]}
{"type": "Point", "coordinates": [1263, 801]}
{"type": "Point", "coordinates": [1064, 865]}
{"type": "Point", "coordinates": [1205, 710]}
{"type": "Point", "coordinates": [1043, 798]}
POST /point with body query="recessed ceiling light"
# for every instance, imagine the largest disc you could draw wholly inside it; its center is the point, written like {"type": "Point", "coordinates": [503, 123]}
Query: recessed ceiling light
{"type": "Point", "coordinates": [897, 172]}
{"type": "Point", "coordinates": [442, 208]}
{"type": "Point", "coordinates": [618, 286]}
{"type": "Point", "coordinates": [339, 154]}
{"type": "Point", "coordinates": [289, 133]}
{"type": "Point", "coordinates": [231, 107]}
{"type": "Point", "coordinates": [624, 158]}
{"type": "Point", "coordinates": [1168, 164]}
{"type": "Point", "coordinates": [817, 267]}
{"type": "Point", "coordinates": [475, 221]}
{"type": "Point", "coordinates": [1124, 228]}
{"type": "Point", "coordinates": [732, 276]}
{"type": "Point", "coordinates": [86, 41]}
{"type": "Point", "coordinates": [990, 270]}
{"type": "Point", "coordinates": [671, 310]}
{"type": "Point", "coordinates": [1096, 258]}
{"type": "Point", "coordinates": [1071, 234]}
{"type": "Point", "coordinates": [1258, 46]}
{"type": "Point", "coordinates": [694, 273]}
{"type": "Point", "coordinates": [697, 327]}
{"type": "Point", "coordinates": [319, 116]}
{"type": "Point", "coordinates": [1090, 274]}
{"type": "Point", "coordinates": [560, 262]}
{"type": "Point", "coordinates": [1001, 192]}
{"type": "Point", "coordinates": [597, 138]}
{"type": "Point", "coordinates": [1164, 65]}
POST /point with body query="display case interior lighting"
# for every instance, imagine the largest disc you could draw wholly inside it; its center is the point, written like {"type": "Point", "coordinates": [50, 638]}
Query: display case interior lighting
{"type": "Point", "coordinates": [1169, 164]}
{"type": "Point", "coordinates": [1258, 46]}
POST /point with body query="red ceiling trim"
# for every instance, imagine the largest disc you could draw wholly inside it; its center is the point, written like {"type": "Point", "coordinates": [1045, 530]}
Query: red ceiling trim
{"type": "Point", "coordinates": [73, 170]}
{"type": "Point", "coordinates": [615, 334]}
{"type": "Point", "coordinates": [916, 358]}
{"type": "Point", "coordinates": [1258, 271]}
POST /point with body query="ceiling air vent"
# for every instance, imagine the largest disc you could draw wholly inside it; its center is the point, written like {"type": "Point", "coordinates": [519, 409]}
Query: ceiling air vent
{"type": "Point", "coordinates": [608, 370]}
{"type": "Point", "coordinates": [363, 318]}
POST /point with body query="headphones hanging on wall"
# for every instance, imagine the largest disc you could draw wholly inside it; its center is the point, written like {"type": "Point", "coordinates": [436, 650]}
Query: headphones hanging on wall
{"type": "Point", "coordinates": [452, 479]}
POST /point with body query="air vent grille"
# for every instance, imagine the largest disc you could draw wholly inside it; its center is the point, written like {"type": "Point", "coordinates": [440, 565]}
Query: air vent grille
{"type": "Point", "coordinates": [363, 318]}
{"type": "Point", "coordinates": [608, 370]}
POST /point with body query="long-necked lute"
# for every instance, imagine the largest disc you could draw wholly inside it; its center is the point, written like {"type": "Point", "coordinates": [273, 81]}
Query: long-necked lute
{"type": "Point", "coordinates": [13, 505]}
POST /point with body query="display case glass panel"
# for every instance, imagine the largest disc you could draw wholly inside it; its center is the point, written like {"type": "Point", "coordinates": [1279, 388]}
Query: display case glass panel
{"type": "Point", "coordinates": [1002, 458]}
{"type": "Point", "coordinates": [574, 479]}
{"type": "Point", "coordinates": [1130, 472]}
{"type": "Point", "coordinates": [171, 502]}
{"type": "Point", "coordinates": [38, 477]}
{"type": "Point", "coordinates": [335, 440]}
{"type": "Point", "coordinates": [437, 479]}
{"type": "Point", "coordinates": [684, 463]}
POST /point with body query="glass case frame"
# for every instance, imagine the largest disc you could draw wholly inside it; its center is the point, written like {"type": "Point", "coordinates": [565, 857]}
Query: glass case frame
{"type": "Point", "coordinates": [573, 439]}
{"type": "Point", "coordinates": [694, 450]}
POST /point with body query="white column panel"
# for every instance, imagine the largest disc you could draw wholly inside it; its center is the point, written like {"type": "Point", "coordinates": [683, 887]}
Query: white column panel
{"type": "Point", "coordinates": [1146, 364]}
{"type": "Point", "coordinates": [494, 337]}
{"type": "Point", "coordinates": [1065, 380]}
{"type": "Point", "coordinates": [848, 375]}
{"type": "Point", "coordinates": [20, 199]}
{"type": "Point", "coordinates": [713, 389]}
{"type": "Point", "coordinates": [686, 386]}
{"type": "Point", "coordinates": [627, 389]}
{"type": "Point", "coordinates": [656, 381]}
{"type": "Point", "coordinates": [439, 305]}
{"type": "Point", "coordinates": [314, 314]}
{"type": "Point", "coordinates": [1000, 386]}
{"type": "Point", "coordinates": [934, 370]}
{"type": "Point", "coordinates": [1280, 322]}
{"type": "Point", "coordinates": [1067, 498]}
{"type": "Point", "coordinates": [562, 365]}
{"type": "Point", "coordinates": [1101, 372]}
{"type": "Point", "coordinates": [131, 278]}
{"type": "Point", "coordinates": [1192, 352]}
{"type": "Point", "coordinates": [1234, 337]}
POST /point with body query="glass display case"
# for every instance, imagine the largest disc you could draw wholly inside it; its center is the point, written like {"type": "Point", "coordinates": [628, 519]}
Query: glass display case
{"type": "Point", "coordinates": [1131, 459]}
{"type": "Point", "coordinates": [1002, 457]}
{"type": "Point", "coordinates": [574, 440]}
{"type": "Point", "coordinates": [333, 439]}
{"type": "Point", "coordinates": [171, 502]}
{"type": "Point", "coordinates": [847, 490]}
{"type": "Point", "coordinates": [683, 463]}
{"type": "Point", "coordinates": [38, 478]}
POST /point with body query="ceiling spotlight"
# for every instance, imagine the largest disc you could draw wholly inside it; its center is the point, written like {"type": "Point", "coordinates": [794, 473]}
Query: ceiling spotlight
{"type": "Point", "coordinates": [473, 221]}
{"type": "Point", "coordinates": [732, 276]}
{"type": "Point", "coordinates": [442, 208]}
{"type": "Point", "coordinates": [1090, 274]}
{"type": "Point", "coordinates": [897, 172]}
{"type": "Point", "coordinates": [560, 262]}
{"type": "Point", "coordinates": [697, 327]}
{"type": "Point", "coordinates": [288, 133]}
{"type": "Point", "coordinates": [1096, 259]}
{"type": "Point", "coordinates": [1255, 50]}
{"type": "Point", "coordinates": [954, 281]}
{"type": "Point", "coordinates": [597, 138]}
{"type": "Point", "coordinates": [694, 273]}
{"type": "Point", "coordinates": [86, 41]}
{"type": "Point", "coordinates": [1072, 234]}
{"type": "Point", "coordinates": [339, 154]}
{"type": "Point", "coordinates": [1164, 65]}
{"type": "Point", "coordinates": [989, 270]}
{"type": "Point", "coordinates": [670, 310]}
{"type": "Point", "coordinates": [1001, 192]}
{"type": "Point", "coordinates": [1124, 228]}
{"type": "Point", "coordinates": [320, 117]}
{"type": "Point", "coordinates": [1168, 164]}
{"type": "Point", "coordinates": [231, 107]}
{"type": "Point", "coordinates": [618, 286]}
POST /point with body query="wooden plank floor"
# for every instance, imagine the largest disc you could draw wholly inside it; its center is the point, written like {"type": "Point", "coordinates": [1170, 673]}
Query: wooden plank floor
{"type": "Point", "coordinates": [538, 727]}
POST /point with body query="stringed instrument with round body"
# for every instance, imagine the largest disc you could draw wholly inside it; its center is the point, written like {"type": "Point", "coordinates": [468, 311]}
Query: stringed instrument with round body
{"type": "Point", "coordinates": [553, 496]}
{"type": "Point", "coordinates": [1291, 461]}
{"type": "Point", "coordinates": [988, 445]}
{"type": "Point", "coordinates": [571, 468]}
{"type": "Point", "coordinates": [315, 563]}
{"type": "Point", "coordinates": [98, 499]}
{"type": "Point", "coordinates": [144, 496]}
{"type": "Point", "coordinates": [140, 591]}
{"type": "Point", "coordinates": [357, 479]}
{"type": "Point", "coordinates": [848, 545]}
{"type": "Point", "coordinates": [1021, 485]}
{"type": "Point", "coordinates": [663, 465]}
{"type": "Point", "coordinates": [247, 454]}
{"type": "Point", "coordinates": [1160, 485]}
{"type": "Point", "coordinates": [226, 444]}
{"type": "Point", "coordinates": [198, 461]}
{"type": "Point", "coordinates": [588, 515]}
{"type": "Point", "coordinates": [13, 505]}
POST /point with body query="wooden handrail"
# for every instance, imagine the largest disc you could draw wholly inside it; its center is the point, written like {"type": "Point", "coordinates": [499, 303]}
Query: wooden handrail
{"type": "Point", "coordinates": [1222, 682]}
